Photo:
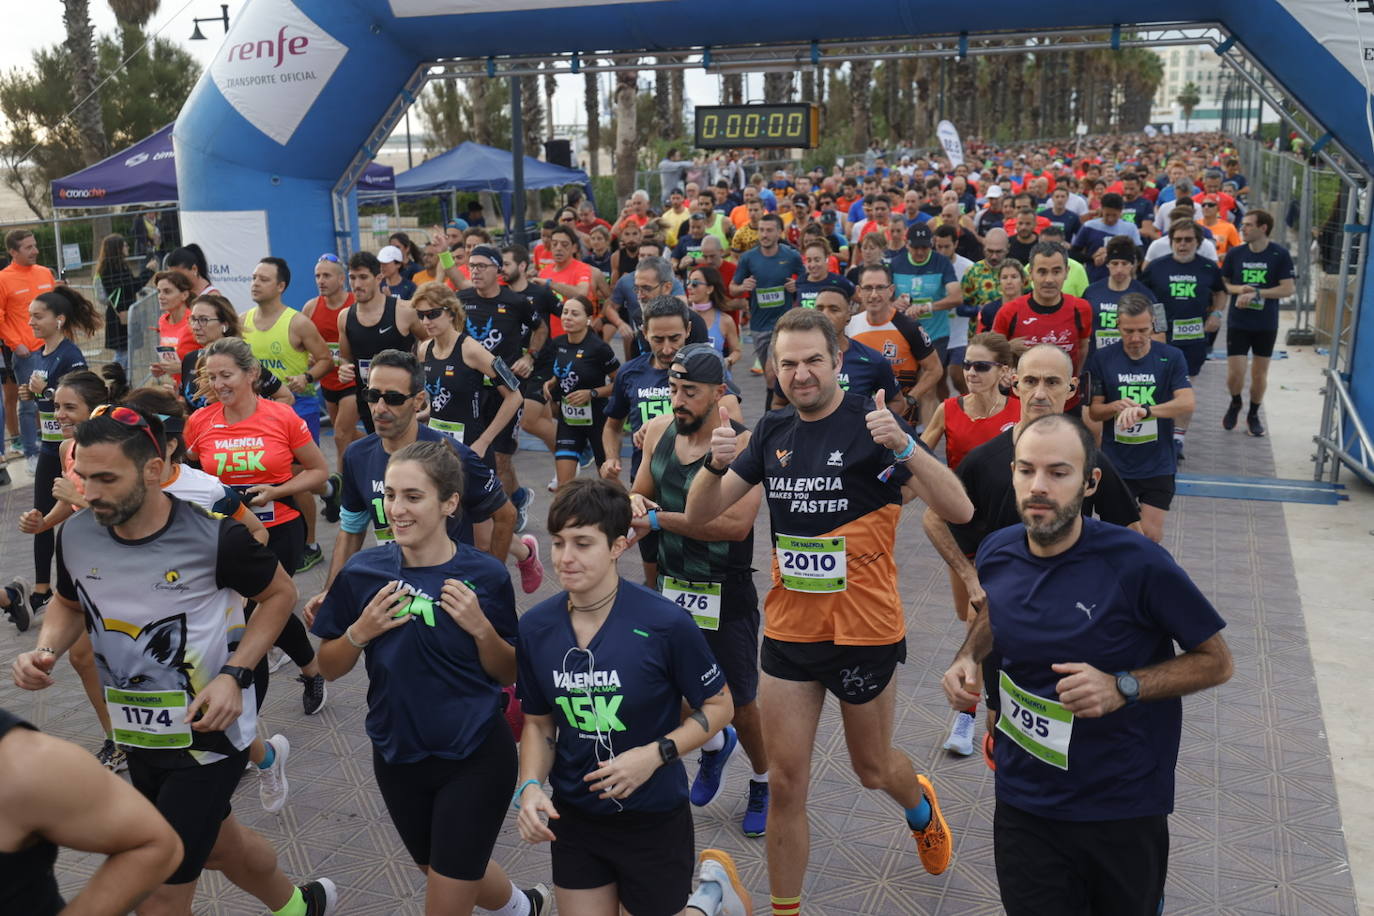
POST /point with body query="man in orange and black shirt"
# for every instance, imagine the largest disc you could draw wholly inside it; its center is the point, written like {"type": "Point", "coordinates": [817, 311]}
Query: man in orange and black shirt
{"type": "Point", "coordinates": [899, 337]}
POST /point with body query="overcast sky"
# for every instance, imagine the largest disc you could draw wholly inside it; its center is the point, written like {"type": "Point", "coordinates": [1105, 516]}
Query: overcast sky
{"type": "Point", "coordinates": [42, 25]}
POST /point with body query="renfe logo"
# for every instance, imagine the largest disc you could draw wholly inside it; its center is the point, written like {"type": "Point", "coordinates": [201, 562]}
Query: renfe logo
{"type": "Point", "coordinates": [270, 50]}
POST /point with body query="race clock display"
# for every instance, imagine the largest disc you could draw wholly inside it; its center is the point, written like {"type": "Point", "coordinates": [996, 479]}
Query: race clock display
{"type": "Point", "coordinates": [726, 126]}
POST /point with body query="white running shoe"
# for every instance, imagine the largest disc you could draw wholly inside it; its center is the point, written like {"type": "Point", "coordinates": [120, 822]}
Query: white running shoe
{"type": "Point", "coordinates": [961, 735]}
{"type": "Point", "coordinates": [272, 785]}
{"type": "Point", "coordinates": [276, 658]}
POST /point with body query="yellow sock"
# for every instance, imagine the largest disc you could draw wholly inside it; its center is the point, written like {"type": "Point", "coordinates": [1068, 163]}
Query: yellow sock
{"type": "Point", "coordinates": [787, 906]}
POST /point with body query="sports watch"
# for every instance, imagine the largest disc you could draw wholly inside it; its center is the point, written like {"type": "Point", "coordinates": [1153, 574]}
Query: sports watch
{"type": "Point", "coordinates": [667, 749]}
{"type": "Point", "coordinates": [1128, 686]}
{"type": "Point", "coordinates": [242, 676]}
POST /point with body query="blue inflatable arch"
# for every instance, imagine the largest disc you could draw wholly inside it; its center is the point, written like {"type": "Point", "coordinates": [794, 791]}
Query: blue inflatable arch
{"type": "Point", "coordinates": [271, 142]}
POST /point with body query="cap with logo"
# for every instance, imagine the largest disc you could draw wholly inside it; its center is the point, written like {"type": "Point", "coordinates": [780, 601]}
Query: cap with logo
{"type": "Point", "coordinates": [700, 362]}
{"type": "Point", "coordinates": [919, 235]}
{"type": "Point", "coordinates": [994, 191]}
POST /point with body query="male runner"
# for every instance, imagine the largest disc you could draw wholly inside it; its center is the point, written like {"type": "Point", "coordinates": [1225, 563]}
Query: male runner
{"type": "Point", "coordinates": [768, 276]}
{"type": "Point", "coordinates": [535, 418]}
{"type": "Point", "coordinates": [1084, 616]}
{"type": "Point", "coordinates": [565, 277]}
{"type": "Point", "coordinates": [21, 281]}
{"type": "Point", "coordinates": [1193, 295]}
{"type": "Point", "coordinates": [1090, 244]}
{"type": "Point", "coordinates": [816, 259]}
{"type": "Point", "coordinates": [159, 585]}
{"type": "Point", "coordinates": [1141, 386]}
{"type": "Point", "coordinates": [837, 472]}
{"type": "Point", "coordinates": [899, 338]}
{"type": "Point", "coordinates": [1044, 380]}
{"type": "Point", "coordinates": [73, 801]}
{"type": "Point", "coordinates": [294, 351]}
{"type": "Point", "coordinates": [324, 310]}
{"type": "Point", "coordinates": [1258, 274]}
{"type": "Point", "coordinates": [926, 280]}
{"type": "Point", "coordinates": [1104, 295]}
{"type": "Point", "coordinates": [863, 370]}
{"type": "Point", "coordinates": [506, 324]}
{"type": "Point", "coordinates": [707, 568]}
{"type": "Point", "coordinates": [399, 392]}
{"type": "Point", "coordinates": [376, 322]}
{"type": "Point", "coordinates": [1046, 314]}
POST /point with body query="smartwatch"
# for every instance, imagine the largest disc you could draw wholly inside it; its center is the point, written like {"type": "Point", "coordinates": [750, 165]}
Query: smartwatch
{"type": "Point", "coordinates": [1128, 686]}
{"type": "Point", "coordinates": [242, 676]}
{"type": "Point", "coordinates": [712, 468]}
{"type": "Point", "coordinates": [653, 520]}
{"type": "Point", "coordinates": [1148, 412]}
{"type": "Point", "coordinates": [667, 749]}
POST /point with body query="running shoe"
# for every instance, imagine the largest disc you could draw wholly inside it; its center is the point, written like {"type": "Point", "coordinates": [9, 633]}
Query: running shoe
{"type": "Point", "coordinates": [276, 660]}
{"type": "Point", "coordinates": [313, 693]}
{"type": "Point", "coordinates": [531, 570]}
{"type": "Point", "coordinates": [17, 593]}
{"type": "Point", "coordinates": [521, 499]}
{"type": "Point", "coordinates": [717, 867]}
{"type": "Point", "coordinates": [272, 785]}
{"type": "Point", "coordinates": [540, 900]}
{"type": "Point", "coordinates": [711, 767]}
{"type": "Point", "coordinates": [332, 502]}
{"type": "Point", "coordinates": [933, 843]}
{"type": "Point", "coordinates": [15, 450]}
{"type": "Point", "coordinates": [1232, 415]}
{"type": "Point", "coordinates": [1256, 428]}
{"type": "Point", "coordinates": [31, 463]}
{"type": "Point", "coordinates": [37, 602]}
{"type": "Point", "coordinates": [4, 476]}
{"type": "Point", "coordinates": [312, 557]}
{"type": "Point", "coordinates": [960, 739]}
{"type": "Point", "coordinates": [111, 757]}
{"type": "Point", "coordinates": [1178, 449]}
{"type": "Point", "coordinates": [988, 757]}
{"type": "Point", "coordinates": [755, 821]}
{"type": "Point", "coordinates": [757, 368]}
{"type": "Point", "coordinates": [553, 483]}
{"type": "Point", "coordinates": [321, 896]}
{"type": "Point", "coordinates": [585, 459]}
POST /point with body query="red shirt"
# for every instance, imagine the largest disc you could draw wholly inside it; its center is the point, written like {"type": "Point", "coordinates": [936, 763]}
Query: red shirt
{"type": "Point", "coordinates": [327, 320]}
{"type": "Point", "coordinates": [1066, 326]}
{"type": "Point", "coordinates": [259, 449]}
{"type": "Point", "coordinates": [178, 336]}
{"type": "Point", "coordinates": [963, 433]}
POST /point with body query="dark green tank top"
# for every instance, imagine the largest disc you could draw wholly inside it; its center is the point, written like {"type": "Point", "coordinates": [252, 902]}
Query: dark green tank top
{"type": "Point", "coordinates": [683, 557]}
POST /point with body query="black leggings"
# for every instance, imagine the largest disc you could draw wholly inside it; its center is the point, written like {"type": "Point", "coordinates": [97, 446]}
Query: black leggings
{"type": "Point", "coordinates": [287, 541]}
{"type": "Point", "coordinates": [48, 470]}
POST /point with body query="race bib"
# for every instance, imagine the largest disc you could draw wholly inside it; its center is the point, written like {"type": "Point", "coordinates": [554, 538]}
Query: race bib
{"type": "Point", "coordinates": [266, 514]}
{"type": "Point", "coordinates": [700, 599]}
{"type": "Point", "coordinates": [333, 352]}
{"type": "Point", "coordinates": [1256, 304]}
{"type": "Point", "coordinates": [1108, 337]}
{"type": "Point", "coordinates": [1144, 432]}
{"type": "Point", "coordinates": [771, 298]}
{"type": "Point", "coordinates": [167, 349]}
{"type": "Point", "coordinates": [448, 427]}
{"type": "Point", "coordinates": [151, 719]}
{"type": "Point", "coordinates": [815, 565]}
{"type": "Point", "coordinates": [49, 427]}
{"type": "Point", "coordinates": [363, 366]}
{"type": "Point", "coordinates": [577, 415]}
{"type": "Point", "coordinates": [1042, 727]}
{"type": "Point", "coordinates": [1188, 329]}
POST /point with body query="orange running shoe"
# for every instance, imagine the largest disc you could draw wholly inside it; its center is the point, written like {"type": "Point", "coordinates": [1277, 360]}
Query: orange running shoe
{"type": "Point", "coordinates": [933, 843]}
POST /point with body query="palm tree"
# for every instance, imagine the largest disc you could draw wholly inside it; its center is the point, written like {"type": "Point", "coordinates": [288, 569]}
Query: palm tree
{"type": "Point", "coordinates": [626, 117]}
{"type": "Point", "coordinates": [663, 97]}
{"type": "Point", "coordinates": [678, 85]}
{"type": "Point", "coordinates": [732, 92]}
{"type": "Point", "coordinates": [550, 86]}
{"type": "Point", "coordinates": [591, 97]}
{"type": "Point", "coordinates": [80, 44]}
{"type": "Point", "coordinates": [777, 87]}
{"type": "Point", "coordinates": [132, 16]}
{"type": "Point", "coordinates": [860, 104]}
{"type": "Point", "coordinates": [1187, 100]}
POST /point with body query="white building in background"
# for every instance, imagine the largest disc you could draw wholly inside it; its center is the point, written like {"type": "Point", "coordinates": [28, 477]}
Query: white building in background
{"type": "Point", "coordinates": [1201, 66]}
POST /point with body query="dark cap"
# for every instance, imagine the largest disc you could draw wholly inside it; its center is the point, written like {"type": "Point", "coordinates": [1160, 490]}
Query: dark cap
{"type": "Point", "coordinates": [700, 362]}
{"type": "Point", "coordinates": [697, 214]}
{"type": "Point", "coordinates": [489, 252]}
{"type": "Point", "coordinates": [919, 235]}
{"type": "Point", "coordinates": [829, 216]}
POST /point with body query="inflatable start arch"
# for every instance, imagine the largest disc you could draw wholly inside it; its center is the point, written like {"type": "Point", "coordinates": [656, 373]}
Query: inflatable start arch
{"type": "Point", "coordinates": [302, 92]}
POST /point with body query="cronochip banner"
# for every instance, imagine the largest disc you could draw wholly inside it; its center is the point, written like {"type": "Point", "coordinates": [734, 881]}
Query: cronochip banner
{"type": "Point", "coordinates": [949, 139]}
{"type": "Point", "coordinates": [273, 64]}
{"type": "Point", "coordinates": [234, 241]}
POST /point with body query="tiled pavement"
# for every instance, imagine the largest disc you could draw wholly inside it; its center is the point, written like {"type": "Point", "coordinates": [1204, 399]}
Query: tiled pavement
{"type": "Point", "coordinates": [1257, 828]}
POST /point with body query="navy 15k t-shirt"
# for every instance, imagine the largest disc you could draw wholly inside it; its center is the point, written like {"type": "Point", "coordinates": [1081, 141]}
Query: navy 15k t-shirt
{"type": "Point", "coordinates": [1264, 270]}
{"type": "Point", "coordinates": [1147, 448]}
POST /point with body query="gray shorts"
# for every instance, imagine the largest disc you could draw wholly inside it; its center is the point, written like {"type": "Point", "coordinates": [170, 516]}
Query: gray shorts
{"type": "Point", "coordinates": [761, 341]}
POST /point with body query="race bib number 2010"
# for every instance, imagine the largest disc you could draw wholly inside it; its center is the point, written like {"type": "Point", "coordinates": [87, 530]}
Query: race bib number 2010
{"type": "Point", "coordinates": [815, 565]}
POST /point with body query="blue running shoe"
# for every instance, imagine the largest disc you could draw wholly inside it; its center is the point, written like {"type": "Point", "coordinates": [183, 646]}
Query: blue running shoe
{"type": "Point", "coordinates": [710, 768]}
{"type": "Point", "coordinates": [522, 498]}
{"type": "Point", "coordinates": [755, 821]}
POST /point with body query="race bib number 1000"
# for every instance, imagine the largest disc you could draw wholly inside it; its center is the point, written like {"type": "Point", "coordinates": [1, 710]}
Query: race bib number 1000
{"type": "Point", "coordinates": [150, 719]}
{"type": "Point", "coordinates": [815, 565]}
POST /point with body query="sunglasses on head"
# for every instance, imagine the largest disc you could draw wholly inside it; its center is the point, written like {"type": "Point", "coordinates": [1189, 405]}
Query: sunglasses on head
{"type": "Point", "coordinates": [127, 416]}
{"type": "Point", "coordinates": [979, 365]}
{"type": "Point", "coordinates": [430, 314]}
{"type": "Point", "coordinates": [392, 398]}
{"type": "Point", "coordinates": [331, 258]}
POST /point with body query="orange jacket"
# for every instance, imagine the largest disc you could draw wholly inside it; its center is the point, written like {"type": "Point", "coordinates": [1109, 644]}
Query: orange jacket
{"type": "Point", "coordinates": [19, 286]}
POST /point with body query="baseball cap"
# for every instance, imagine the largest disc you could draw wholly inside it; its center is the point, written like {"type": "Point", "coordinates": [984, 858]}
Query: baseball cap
{"type": "Point", "coordinates": [829, 216]}
{"type": "Point", "coordinates": [919, 236]}
{"type": "Point", "coordinates": [488, 252]}
{"type": "Point", "coordinates": [701, 362]}
{"type": "Point", "coordinates": [456, 223]}
{"type": "Point", "coordinates": [995, 191]}
{"type": "Point", "coordinates": [697, 214]}
{"type": "Point", "coordinates": [390, 254]}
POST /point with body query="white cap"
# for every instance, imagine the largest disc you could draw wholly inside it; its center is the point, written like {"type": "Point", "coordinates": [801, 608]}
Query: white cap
{"type": "Point", "coordinates": [995, 191]}
{"type": "Point", "coordinates": [391, 254]}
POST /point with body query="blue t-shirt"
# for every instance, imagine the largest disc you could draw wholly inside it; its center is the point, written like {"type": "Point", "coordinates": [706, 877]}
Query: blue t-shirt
{"type": "Point", "coordinates": [807, 291]}
{"type": "Point", "coordinates": [1068, 219]}
{"type": "Point", "coordinates": [364, 467]}
{"type": "Point", "coordinates": [64, 358]}
{"type": "Point", "coordinates": [639, 394]}
{"type": "Point", "coordinates": [1185, 291]}
{"type": "Point", "coordinates": [1137, 211]}
{"type": "Point", "coordinates": [1264, 270]}
{"type": "Point", "coordinates": [623, 691]}
{"type": "Point", "coordinates": [1146, 449]}
{"type": "Point", "coordinates": [769, 299]}
{"type": "Point", "coordinates": [1096, 233]}
{"type": "Point", "coordinates": [925, 282]}
{"type": "Point", "coordinates": [427, 692]}
{"type": "Point", "coordinates": [1118, 602]}
{"type": "Point", "coordinates": [1104, 301]}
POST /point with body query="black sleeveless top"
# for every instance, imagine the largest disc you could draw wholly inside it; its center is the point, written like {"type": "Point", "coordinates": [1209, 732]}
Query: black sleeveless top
{"type": "Point", "coordinates": [366, 342]}
{"type": "Point", "coordinates": [683, 557]}
{"type": "Point", "coordinates": [27, 882]}
{"type": "Point", "coordinates": [455, 390]}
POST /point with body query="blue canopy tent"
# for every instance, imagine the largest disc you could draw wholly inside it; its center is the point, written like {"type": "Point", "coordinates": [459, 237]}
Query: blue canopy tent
{"type": "Point", "coordinates": [473, 167]}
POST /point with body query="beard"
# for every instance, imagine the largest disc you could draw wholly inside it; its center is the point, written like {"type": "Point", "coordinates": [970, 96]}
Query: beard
{"type": "Point", "coordinates": [1054, 529]}
{"type": "Point", "coordinates": [688, 423]}
{"type": "Point", "coordinates": [112, 515]}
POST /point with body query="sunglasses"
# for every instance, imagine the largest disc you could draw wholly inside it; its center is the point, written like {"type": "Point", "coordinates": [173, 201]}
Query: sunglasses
{"type": "Point", "coordinates": [331, 258]}
{"type": "Point", "coordinates": [979, 365]}
{"type": "Point", "coordinates": [697, 283]}
{"type": "Point", "coordinates": [127, 416]}
{"type": "Point", "coordinates": [392, 398]}
{"type": "Point", "coordinates": [430, 314]}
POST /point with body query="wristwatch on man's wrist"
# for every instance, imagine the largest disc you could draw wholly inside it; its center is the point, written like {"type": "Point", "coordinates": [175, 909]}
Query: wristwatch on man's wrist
{"type": "Point", "coordinates": [242, 676]}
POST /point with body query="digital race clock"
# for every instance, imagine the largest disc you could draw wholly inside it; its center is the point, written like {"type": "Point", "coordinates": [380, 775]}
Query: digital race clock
{"type": "Point", "coordinates": [725, 126]}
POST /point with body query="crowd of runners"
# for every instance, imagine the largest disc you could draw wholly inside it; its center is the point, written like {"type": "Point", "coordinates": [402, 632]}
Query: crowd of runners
{"type": "Point", "coordinates": [1009, 341]}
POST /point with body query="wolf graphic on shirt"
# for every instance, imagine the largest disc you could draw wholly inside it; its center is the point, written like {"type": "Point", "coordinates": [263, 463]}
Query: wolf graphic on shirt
{"type": "Point", "coordinates": [151, 658]}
